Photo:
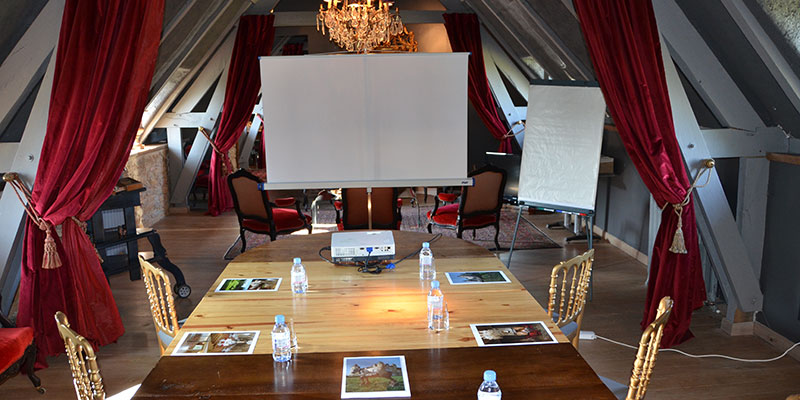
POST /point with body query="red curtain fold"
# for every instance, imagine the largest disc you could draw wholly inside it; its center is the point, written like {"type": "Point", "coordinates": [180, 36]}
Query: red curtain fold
{"type": "Point", "coordinates": [254, 38]}
{"type": "Point", "coordinates": [464, 32]}
{"type": "Point", "coordinates": [623, 41]}
{"type": "Point", "coordinates": [106, 56]}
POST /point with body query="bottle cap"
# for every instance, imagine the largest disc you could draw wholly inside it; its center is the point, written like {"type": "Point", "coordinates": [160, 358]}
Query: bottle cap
{"type": "Point", "coordinates": [489, 375]}
{"type": "Point", "coordinates": [297, 260]}
{"type": "Point", "coordinates": [279, 319]}
{"type": "Point", "coordinates": [434, 284]}
{"type": "Point", "coordinates": [426, 245]}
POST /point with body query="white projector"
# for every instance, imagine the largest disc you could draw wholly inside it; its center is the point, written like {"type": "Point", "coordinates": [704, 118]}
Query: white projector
{"type": "Point", "coordinates": [355, 246]}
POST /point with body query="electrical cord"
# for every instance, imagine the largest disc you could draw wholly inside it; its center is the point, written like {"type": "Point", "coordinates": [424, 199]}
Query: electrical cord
{"type": "Point", "coordinates": [706, 355]}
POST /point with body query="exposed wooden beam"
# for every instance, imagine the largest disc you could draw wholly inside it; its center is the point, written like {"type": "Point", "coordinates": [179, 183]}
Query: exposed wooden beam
{"type": "Point", "coordinates": [179, 119]}
{"type": "Point", "coordinates": [250, 138]}
{"type": "Point", "coordinates": [192, 64]}
{"type": "Point", "coordinates": [26, 64]}
{"type": "Point", "coordinates": [717, 226]}
{"type": "Point", "coordinates": [703, 70]}
{"type": "Point", "coordinates": [731, 108]}
{"type": "Point", "coordinates": [200, 145]}
{"type": "Point", "coordinates": [727, 143]}
{"type": "Point", "coordinates": [7, 152]}
{"type": "Point", "coordinates": [554, 42]}
{"type": "Point", "coordinates": [25, 163]}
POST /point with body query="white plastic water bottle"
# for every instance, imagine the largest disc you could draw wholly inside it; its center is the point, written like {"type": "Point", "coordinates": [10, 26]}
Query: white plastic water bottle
{"type": "Point", "coordinates": [437, 315]}
{"type": "Point", "coordinates": [299, 279]}
{"type": "Point", "coordinates": [281, 343]}
{"type": "Point", "coordinates": [427, 270]}
{"type": "Point", "coordinates": [489, 390]}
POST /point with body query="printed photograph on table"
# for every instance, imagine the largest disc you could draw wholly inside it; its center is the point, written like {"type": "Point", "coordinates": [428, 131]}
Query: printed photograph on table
{"type": "Point", "coordinates": [216, 343]}
{"type": "Point", "coordinates": [476, 277]}
{"type": "Point", "coordinates": [512, 334]}
{"type": "Point", "coordinates": [374, 377]}
{"type": "Point", "coordinates": [249, 285]}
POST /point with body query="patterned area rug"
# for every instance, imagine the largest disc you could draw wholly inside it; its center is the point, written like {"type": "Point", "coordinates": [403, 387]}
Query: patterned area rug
{"type": "Point", "coordinates": [528, 237]}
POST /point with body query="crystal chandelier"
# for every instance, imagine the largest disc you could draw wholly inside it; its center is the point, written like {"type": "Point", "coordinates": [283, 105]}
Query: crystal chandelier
{"type": "Point", "coordinates": [359, 25]}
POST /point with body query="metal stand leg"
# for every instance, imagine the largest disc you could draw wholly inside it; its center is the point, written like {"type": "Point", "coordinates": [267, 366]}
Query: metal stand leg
{"type": "Point", "coordinates": [514, 238]}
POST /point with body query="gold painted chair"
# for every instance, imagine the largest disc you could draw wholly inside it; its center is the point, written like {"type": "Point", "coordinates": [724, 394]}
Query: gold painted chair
{"type": "Point", "coordinates": [645, 357]}
{"type": "Point", "coordinates": [82, 362]}
{"type": "Point", "coordinates": [569, 286]}
{"type": "Point", "coordinates": [162, 305]}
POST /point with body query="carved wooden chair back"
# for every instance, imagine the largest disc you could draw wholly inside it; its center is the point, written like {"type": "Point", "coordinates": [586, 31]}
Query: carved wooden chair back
{"type": "Point", "coordinates": [569, 286]}
{"type": "Point", "coordinates": [162, 304]}
{"type": "Point", "coordinates": [648, 349]}
{"type": "Point", "coordinates": [82, 362]}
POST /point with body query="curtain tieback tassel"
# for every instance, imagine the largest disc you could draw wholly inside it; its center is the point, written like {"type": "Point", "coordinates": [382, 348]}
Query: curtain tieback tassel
{"type": "Point", "coordinates": [50, 260]}
{"type": "Point", "coordinates": [678, 242]}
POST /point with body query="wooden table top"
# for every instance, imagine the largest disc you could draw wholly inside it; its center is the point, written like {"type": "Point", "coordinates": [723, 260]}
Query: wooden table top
{"type": "Point", "coordinates": [346, 312]}
{"type": "Point", "coordinates": [553, 371]}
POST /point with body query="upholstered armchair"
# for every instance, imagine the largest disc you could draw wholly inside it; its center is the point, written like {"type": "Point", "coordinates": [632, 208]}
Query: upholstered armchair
{"type": "Point", "coordinates": [259, 215]}
{"type": "Point", "coordinates": [352, 213]}
{"type": "Point", "coordinates": [478, 206]}
{"type": "Point", "coordinates": [17, 352]}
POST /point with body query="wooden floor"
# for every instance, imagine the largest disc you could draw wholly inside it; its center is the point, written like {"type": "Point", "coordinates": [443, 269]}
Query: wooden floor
{"type": "Point", "coordinates": [196, 243]}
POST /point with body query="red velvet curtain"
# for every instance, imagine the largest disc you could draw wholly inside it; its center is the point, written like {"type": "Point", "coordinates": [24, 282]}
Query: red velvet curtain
{"type": "Point", "coordinates": [464, 32]}
{"type": "Point", "coordinates": [106, 56]}
{"type": "Point", "coordinates": [623, 41]}
{"type": "Point", "coordinates": [254, 38]}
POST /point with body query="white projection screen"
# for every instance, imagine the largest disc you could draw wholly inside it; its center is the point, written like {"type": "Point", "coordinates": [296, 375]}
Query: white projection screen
{"type": "Point", "coordinates": [377, 120]}
{"type": "Point", "coordinates": [561, 152]}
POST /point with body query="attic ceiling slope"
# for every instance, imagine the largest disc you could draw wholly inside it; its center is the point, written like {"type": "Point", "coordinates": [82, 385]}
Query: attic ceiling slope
{"type": "Point", "coordinates": [15, 18]}
{"type": "Point", "coordinates": [722, 35]}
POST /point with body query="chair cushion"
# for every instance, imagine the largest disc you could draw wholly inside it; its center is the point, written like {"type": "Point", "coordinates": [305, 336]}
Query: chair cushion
{"type": "Point", "coordinates": [448, 215]}
{"type": "Point", "coordinates": [567, 329]}
{"type": "Point", "coordinates": [13, 342]}
{"type": "Point", "coordinates": [284, 219]}
{"type": "Point", "coordinates": [619, 390]}
{"type": "Point", "coordinates": [447, 197]}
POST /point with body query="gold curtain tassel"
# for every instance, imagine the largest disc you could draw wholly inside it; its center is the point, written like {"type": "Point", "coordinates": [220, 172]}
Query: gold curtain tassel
{"type": "Point", "coordinates": [678, 242]}
{"type": "Point", "coordinates": [50, 260]}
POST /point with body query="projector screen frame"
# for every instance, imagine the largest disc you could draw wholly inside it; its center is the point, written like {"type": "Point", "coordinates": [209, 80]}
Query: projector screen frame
{"type": "Point", "coordinates": [367, 184]}
{"type": "Point", "coordinates": [442, 176]}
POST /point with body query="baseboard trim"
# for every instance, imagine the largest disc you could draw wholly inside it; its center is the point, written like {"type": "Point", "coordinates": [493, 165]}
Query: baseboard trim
{"type": "Point", "coordinates": [737, 328]}
{"type": "Point", "coordinates": [778, 341]}
{"type": "Point", "coordinates": [620, 244]}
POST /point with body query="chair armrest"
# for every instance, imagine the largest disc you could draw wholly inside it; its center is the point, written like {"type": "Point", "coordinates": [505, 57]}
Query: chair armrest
{"type": "Point", "coordinates": [447, 197]}
{"type": "Point", "coordinates": [285, 202]}
{"type": "Point", "coordinates": [435, 206]}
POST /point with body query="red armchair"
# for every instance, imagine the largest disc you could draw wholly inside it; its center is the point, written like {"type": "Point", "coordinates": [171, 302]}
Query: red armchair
{"type": "Point", "coordinates": [259, 215]}
{"type": "Point", "coordinates": [17, 353]}
{"type": "Point", "coordinates": [351, 211]}
{"type": "Point", "coordinates": [478, 207]}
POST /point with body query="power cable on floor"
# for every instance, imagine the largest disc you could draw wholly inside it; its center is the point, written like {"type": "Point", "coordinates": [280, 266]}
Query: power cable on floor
{"type": "Point", "coordinates": [706, 355]}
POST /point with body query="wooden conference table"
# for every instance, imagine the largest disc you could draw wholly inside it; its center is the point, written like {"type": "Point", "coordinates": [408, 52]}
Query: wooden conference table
{"type": "Point", "coordinates": [348, 314]}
